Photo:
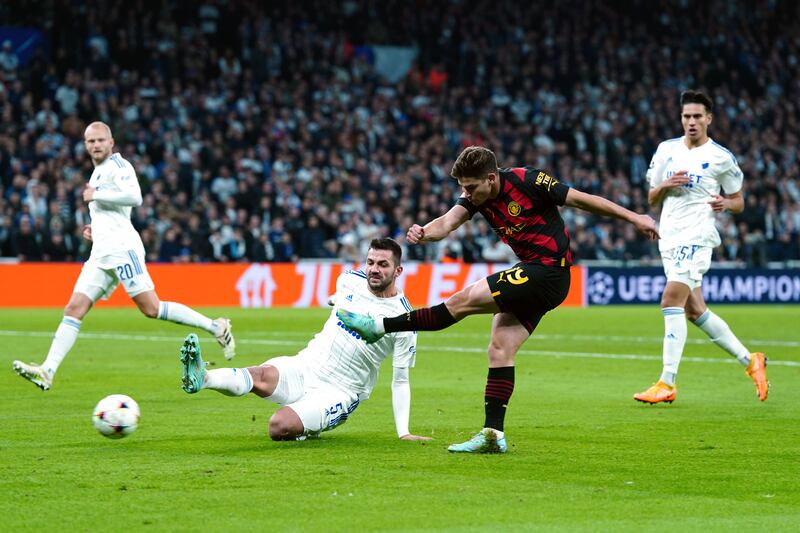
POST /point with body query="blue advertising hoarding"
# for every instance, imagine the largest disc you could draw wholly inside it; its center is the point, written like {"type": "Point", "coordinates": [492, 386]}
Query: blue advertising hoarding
{"type": "Point", "coordinates": [644, 285]}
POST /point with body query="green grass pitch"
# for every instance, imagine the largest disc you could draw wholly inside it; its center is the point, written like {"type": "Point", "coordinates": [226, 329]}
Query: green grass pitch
{"type": "Point", "coordinates": [583, 455]}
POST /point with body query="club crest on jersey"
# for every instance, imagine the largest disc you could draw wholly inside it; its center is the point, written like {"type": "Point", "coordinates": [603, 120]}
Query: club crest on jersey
{"type": "Point", "coordinates": [514, 208]}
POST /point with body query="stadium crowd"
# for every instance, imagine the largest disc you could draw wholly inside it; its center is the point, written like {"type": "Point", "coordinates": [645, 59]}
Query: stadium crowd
{"type": "Point", "coordinates": [263, 132]}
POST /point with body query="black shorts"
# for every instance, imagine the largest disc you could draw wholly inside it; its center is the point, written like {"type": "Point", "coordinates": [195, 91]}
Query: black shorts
{"type": "Point", "coordinates": [528, 291]}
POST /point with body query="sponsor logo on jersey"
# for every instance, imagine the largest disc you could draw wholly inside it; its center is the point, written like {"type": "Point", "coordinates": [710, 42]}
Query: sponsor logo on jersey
{"type": "Point", "coordinates": [514, 209]}
{"type": "Point", "coordinates": [704, 165]}
{"type": "Point", "coordinates": [510, 230]}
{"type": "Point", "coordinates": [546, 180]}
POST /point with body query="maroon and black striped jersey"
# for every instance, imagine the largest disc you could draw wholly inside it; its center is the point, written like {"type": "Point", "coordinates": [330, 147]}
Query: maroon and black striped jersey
{"type": "Point", "coordinates": [525, 215]}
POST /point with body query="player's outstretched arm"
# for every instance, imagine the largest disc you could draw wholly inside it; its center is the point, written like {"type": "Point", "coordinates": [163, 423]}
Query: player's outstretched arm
{"type": "Point", "coordinates": [401, 404]}
{"type": "Point", "coordinates": [601, 206]}
{"type": "Point", "coordinates": [439, 228]}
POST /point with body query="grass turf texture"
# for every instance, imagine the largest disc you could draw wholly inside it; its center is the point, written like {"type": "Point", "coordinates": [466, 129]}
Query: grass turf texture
{"type": "Point", "coordinates": [583, 455]}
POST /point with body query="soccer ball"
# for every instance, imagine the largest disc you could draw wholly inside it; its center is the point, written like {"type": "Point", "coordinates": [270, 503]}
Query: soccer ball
{"type": "Point", "coordinates": [116, 416]}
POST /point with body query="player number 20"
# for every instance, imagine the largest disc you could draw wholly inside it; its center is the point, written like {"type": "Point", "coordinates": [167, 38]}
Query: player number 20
{"type": "Point", "coordinates": [124, 272]}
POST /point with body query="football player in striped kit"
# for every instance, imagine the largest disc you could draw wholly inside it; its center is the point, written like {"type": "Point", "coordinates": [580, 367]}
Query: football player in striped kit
{"type": "Point", "coordinates": [521, 205]}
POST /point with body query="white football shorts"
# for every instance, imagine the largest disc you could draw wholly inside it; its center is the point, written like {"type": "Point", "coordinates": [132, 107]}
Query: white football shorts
{"type": "Point", "coordinates": [101, 275]}
{"type": "Point", "coordinates": [320, 405]}
{"type": "Point", "coordinates": [687, 264]}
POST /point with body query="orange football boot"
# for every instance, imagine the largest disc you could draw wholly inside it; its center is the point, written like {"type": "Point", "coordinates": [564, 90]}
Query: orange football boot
{"type": "Point", "coordinates": [660, 392]}
{"type": "Point", "coordinates": [757, 370]}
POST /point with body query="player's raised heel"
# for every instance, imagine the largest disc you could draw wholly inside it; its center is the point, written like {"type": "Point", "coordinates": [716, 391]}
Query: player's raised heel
{"type": "Point", "coordinates": [225, 337]}
{"type": "Point", "coordinates": [658, 393]}
{"type": "Point", "coordinates": [33, 373]}
{"type": "Point", "coordinates": [364, 325]}
{"type": "Point", "coordinates": [194, 368]}
{"type": "Point", "coordinates": [757, 370]}
{"type": "Point", "coordinates": [484, 442]}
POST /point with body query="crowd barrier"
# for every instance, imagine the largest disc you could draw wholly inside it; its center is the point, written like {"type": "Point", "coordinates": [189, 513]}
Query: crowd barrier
{"type": "Point", "coordinates": [308, 284]}
{"type": "Point", "coordinates": [645, 285]}
{"type": "Point", "coordinates": [304, 284]}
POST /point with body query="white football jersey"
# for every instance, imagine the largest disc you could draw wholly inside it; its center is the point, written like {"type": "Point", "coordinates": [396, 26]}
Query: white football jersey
{"type": "Point", "coordinates": [686, 216]}
{"type": "Point", "coordinates": [338, 356]}
{"type": "Point", "coordinates": [117, 191]}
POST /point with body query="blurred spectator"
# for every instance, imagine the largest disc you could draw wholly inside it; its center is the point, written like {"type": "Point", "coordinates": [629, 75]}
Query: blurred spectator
{"type": "Point", "coordinates": [26, 244]}
{"type": "Point", "coordinates": [9, 61]}
{"type": "Point", "coordinates": [236, 110]}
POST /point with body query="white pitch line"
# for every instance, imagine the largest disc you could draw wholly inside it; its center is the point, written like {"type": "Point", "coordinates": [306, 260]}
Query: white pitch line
{"type": "Point", "coordinates": [454, 349]}
{"type": "Point", "coordinates": [559, 337]}
{"type": "Point", "coordinates": [441, 335]}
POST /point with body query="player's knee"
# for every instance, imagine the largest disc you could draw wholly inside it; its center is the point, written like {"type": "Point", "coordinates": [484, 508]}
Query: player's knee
{"type": "Point", "coordinates": [284, 427]}
{"type": "Point", "coordinates": [74, 310]}
{"type": "Point", "coordinates": [459, 305]}
{"type": "Point", "coordinates": [265, 379]}
{"type": "Point", "coordinates": [149, 309]}
{"type": "Point", "coordinates": [693, 314]}
{"type": "Point", "coordinates": [77, 307]}
{"type": "Point", "coordinates": [499, 353]}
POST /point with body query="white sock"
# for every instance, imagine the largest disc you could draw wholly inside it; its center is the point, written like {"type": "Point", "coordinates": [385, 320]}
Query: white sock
{"type": "Point", "coordinates": [674, 341]}
{"type": "Point", "coordinates": [229, 381]}
{"type": "Point", "coordinates": [63, 340]}
{"type": "Point", "coordinates": [181, 314]}
{"type": "Point", "coordinates": [720, 334]}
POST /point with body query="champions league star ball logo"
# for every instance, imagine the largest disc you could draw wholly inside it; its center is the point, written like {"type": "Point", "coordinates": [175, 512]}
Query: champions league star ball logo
{"type": "Point", "coordinates": [600, 288]}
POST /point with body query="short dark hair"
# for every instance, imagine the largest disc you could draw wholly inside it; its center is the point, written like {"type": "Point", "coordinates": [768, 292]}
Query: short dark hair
{"type": "Point", "coordinates": [385, 243]}
{"type": "Point", "coordinates": [474, 162]}
{"type": "Point", "coordinates": [697, 97]}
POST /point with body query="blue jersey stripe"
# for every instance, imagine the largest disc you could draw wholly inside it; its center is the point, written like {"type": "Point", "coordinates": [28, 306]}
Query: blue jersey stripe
{"type": "Point", "coordinates": [733, 157]}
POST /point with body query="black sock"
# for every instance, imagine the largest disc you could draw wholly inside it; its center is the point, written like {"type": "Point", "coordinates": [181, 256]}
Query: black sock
{"type": "Point", "coordinates": [499, 388]}
{"type": "Point", "coordinates": [424, 319]}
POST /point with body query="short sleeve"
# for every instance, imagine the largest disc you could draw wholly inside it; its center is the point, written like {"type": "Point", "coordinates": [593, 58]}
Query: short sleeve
{"type": "Point", "coordinates": [469, 206]}
{"type": "Point", "coordinates": [731, 177]}
{"type": "Point", "coordinates": [124, 176]}
{"type": "Point", "coordinates": [655, 172]}
{"type": "Point", "coordinates": [546, 187]}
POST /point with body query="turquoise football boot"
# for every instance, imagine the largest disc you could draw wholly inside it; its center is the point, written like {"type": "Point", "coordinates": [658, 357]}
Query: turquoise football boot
{"type": "Point", "coordinates": [484, 442]}
{"type": "Point", "coordinates": [364, 325]}
{"type": "Point", "coordinates": [194, 368]}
